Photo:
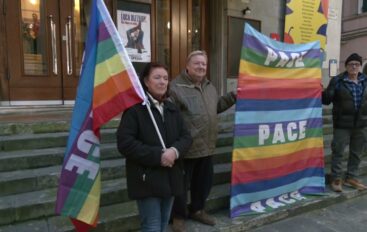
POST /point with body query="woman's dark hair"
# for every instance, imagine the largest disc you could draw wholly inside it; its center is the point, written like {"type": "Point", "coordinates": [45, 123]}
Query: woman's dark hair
{"type": "Point", "coordinates": [146, 72]}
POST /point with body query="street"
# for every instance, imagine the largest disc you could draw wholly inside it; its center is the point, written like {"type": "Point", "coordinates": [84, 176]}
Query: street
{"type": "Point", "coordinates": [347, 216]}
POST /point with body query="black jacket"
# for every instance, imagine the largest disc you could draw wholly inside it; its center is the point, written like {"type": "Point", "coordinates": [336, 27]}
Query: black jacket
{"type": "Point", "coordinates": [138, 141]}
{"type": "Point", "coordinates": [344, 114]}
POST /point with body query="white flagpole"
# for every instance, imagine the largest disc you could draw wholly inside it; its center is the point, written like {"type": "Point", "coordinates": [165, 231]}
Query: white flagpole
{"type": "Point", "coordinates": [147, 104]}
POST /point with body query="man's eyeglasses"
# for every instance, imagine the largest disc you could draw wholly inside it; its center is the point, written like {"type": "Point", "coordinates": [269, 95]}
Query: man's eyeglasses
{"type": "Point", "coordinates": [354, 64]}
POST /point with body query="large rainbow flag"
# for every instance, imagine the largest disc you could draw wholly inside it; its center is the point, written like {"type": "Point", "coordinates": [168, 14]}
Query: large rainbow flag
{"type": "Point", "coordinates": [278, 144]}
{"type": "Point", "coordinates": [108, 85]}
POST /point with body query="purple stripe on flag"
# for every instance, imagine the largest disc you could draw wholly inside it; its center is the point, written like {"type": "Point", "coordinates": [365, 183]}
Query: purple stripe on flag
{"type": "Point", "coordinates": [103, 34]}
{"type": "Point", "coordinates": [312, 190]}
{"type": "Point", "coordinates": [259, 47]}
{"type": "Point", "coordinates": [68, 178]}
{"type": "Point", "coordinates": [253, 129]}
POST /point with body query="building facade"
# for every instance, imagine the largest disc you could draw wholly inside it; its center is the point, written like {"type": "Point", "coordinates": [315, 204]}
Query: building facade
{"type": "Point", "coordinates": [42, 42]}
{"type": "Point", "coordinates": [354, 31]}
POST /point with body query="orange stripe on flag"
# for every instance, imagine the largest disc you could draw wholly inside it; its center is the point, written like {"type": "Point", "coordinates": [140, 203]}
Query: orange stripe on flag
{"type": "Point", "coordinates": [274, 162]}
{"type": "Point", "coordinates": [290, 167]}
{"type": "Point", "coordinates": [114, 106]}
{"type": "Point", "coordinates": [110, 88]}
{"type": "Point", "coordinates": [247, 81]}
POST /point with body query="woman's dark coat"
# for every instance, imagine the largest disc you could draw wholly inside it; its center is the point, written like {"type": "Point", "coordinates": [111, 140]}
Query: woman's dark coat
{"type": "Point", "coordinates": [138, 141]}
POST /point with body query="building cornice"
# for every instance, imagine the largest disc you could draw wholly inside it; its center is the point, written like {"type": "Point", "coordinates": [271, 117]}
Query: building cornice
{"type": "Point", "coordinates": [349, 35]}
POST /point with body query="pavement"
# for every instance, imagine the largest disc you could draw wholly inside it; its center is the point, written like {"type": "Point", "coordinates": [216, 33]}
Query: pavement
{"type": "Point", "coordinates": [343, 217]}
{"type": "Point", "coordinates": [337, 212]}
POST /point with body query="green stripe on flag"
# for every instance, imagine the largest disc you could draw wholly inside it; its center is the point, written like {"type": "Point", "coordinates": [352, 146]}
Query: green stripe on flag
{"type": "Point", "coordinates": [105, 50]}
{"type": "Point", "coordinates": [252, 56]}
{"type": "Point", "coordinates": [253, 141]}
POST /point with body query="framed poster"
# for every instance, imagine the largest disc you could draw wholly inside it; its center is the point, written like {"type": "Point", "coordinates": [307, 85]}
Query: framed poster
{"type": "Point", "coordinates": [236, 28]}
{"type": "Point", "coordinates": [133, 24]}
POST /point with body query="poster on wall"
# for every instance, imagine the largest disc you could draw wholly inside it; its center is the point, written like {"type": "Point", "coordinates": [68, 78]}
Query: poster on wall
{"type": "Point", "coordinates": [306, 21]}
{"type": "Point", "coordinates": [134, 29]}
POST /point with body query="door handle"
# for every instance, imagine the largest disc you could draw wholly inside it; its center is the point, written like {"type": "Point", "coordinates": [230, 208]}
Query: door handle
{"type": "Point", "coordinates": [69, 51]}
{"type": "Point", "coordinates": [53, 45]}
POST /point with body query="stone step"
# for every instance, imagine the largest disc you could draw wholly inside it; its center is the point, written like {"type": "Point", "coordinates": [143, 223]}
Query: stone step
{"type": "Point", "coordinates": [124, 217]}
{"type": "Point", "coordinates": [52, 140]}
{"type": "Point", "coordinates": [35, 153]}
{"type": "Point", "coordinates": [27, 157]}
{"type": "Point", "coordinates": [31, 205]}
{"type": "Point", "coordinates": [31, 159]}
{"type": "Point", "coordinates": [31, 154]}
{"type": "Point", "coordinates": [40, 119]}
{"type": "Point", "coordinates": [49, 126]}
{"type": "Point", "coordinates": [46, 176]}
{"type": "Point", "coordinates": [117, 217]}
{"type": "Point", "coordinates": [40, 169]}
{"type": "Point", "coordinates": [36, 158]}
{"type": "Point", "coordinates": [18, 120]}
{"type": "Point", "coordinates": [45, 140]}
{"type": "Point", "coordinates": [29, 180]}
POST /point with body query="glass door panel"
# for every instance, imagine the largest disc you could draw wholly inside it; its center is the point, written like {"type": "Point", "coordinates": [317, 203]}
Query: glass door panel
{"type": "Point", "coordinates": [34, 37]}
{"type": "Point", "coordinates": [81, 21]}
{"type": "Point", "coordinates": [194, 27]}
{"type": "Point", "coordinates": [74, 19]}
{"type": "Point", "coordinates": [163, 30]}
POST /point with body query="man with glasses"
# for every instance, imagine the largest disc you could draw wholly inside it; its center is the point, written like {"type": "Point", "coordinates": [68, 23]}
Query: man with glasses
{"type": "Point", "coordinates": [347, 93]}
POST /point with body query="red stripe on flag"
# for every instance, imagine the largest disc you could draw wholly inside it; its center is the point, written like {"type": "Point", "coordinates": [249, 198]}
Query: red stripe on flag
{"type": "Point", "coordinates": [110, 88]}
{"type": "Point", "coordinates": [120, 102]}
{"type": "Point", "coordinates": [291, 167]}
{"type": "Point", "coordinates": [275, 162]}
{"type": "Point", "coordinates": [246, 80]}
{"type": "Point", "coordinates": [265, 88]}
{"type": "Point", "coordinates": [278, 93]}
{"type": "Point", "coordinates": [83, 227]}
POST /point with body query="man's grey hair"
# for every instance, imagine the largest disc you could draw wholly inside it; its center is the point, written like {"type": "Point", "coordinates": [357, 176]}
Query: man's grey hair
{"type": "Point", "coordinates": [196, 53]}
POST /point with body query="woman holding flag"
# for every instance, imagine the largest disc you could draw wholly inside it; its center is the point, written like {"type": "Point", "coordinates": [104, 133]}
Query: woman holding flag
{"type": "Point", "coordinates": [154, 173]}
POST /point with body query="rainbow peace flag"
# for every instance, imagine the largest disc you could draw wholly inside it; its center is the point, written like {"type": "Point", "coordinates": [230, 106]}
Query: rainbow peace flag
{"type": "Point", "coordinates": [108, 86]}
{"type": "Point", "coordinates": [278, 144]}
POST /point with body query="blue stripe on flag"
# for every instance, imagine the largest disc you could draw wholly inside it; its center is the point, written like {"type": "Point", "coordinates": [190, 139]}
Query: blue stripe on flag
{"type": "Point", "coordinates": [263, 185]}
{"type": "Point", "coordinates": [245, 198]}
{"type": "Point", "coordinates": [84, 97]}
{"type": "Point", "coordinates": [245, 209]}
{"type": "Point", "coordinates": [267, 41]}
{"type": "Point", "coordinates": [271, 105]}
{"type": "Point", "coordinates": [251, 117]}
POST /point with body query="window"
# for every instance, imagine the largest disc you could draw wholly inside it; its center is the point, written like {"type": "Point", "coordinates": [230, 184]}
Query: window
{"type": "Point", "coordinates": [235, 41]}
{"type": "Point", "coordinates": [362, 6]}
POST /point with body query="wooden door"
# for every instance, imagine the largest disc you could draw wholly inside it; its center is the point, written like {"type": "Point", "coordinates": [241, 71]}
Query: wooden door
{"type": "Point", "coordinates": [45, 45]}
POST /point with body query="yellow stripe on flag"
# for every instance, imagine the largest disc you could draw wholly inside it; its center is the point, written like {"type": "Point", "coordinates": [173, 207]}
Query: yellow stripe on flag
{"type": "Point", "coordinates": [107, 68]}
{"type": "Point", "coordinates": [89, 211]}
{"type": "Point", "coordinates": [275, 150]}
{"type": "Point", "coordinates": [251, 69]}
